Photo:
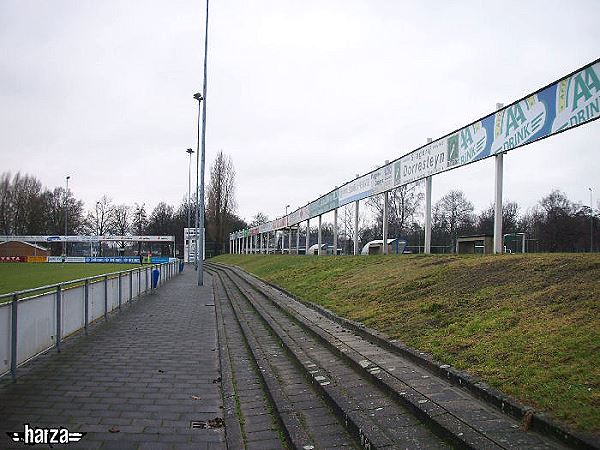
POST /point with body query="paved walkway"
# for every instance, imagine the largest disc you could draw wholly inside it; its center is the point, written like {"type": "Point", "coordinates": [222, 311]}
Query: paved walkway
{"type": "Point", "coordinates": [136, 382]}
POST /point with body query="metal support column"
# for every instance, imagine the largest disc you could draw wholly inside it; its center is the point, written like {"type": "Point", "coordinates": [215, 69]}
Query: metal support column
{"type": "Point", "coordinates": [307, 240]}
{"type": "Point", "coordinates": [58, 316]}
{"type": "Point", "coordinates": [282, 239]}
{"type": "Point", "coordinates": [86, 305]}
{"type": "Point", "coordinates": [428, 215]}
{"type": "Point", "coordinates": [335, 231]}
{"type": "Point", "coordinates": [385, 223]}
{"type": "Point", "coordinates": [499, 166]}
{"type": "Point", "coordinates": [356, 251]}
{"type": "Point", "coordinates": [13, 339]}
{"type": "Point", "coordinates": [298, 239]}
{"type": "Point", "coordinates": [120, 290]}
{"type": "Point", "coordinates": [319, 236]}
{"type": "Point", "coordinates": [499, 160]}
{"type": "Point", "coordinates": [105, 297]}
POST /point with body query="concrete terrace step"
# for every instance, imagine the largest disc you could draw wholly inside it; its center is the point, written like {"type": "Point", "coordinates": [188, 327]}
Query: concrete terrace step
{"type": "Point", "coordinates": [451, 410]}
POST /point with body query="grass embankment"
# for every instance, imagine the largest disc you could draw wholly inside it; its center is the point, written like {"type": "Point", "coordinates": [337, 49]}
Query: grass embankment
{"type": "Point", "coordinates": [19, 276]}
{"type": "Point", "coordinates": [526, 324]}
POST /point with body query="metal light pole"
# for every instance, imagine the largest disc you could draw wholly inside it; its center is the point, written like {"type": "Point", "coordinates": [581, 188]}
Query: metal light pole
{"type": "Point", "coordinates": [66, 212]}
{"type": "Point", "coordinates": [198, 97]}
{"type": "Point", "coordinates": [189, 212]}
{"type": "Point", "coordinates": [591, 223]}
{"type": "Point", "coordinates": [98, 229]}
{"type": "Point", "coordinates": [200, 248]}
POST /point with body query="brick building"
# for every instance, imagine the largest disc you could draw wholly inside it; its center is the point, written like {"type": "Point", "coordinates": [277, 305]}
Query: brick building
{"type": "Point", "coordinates": [20, 248]}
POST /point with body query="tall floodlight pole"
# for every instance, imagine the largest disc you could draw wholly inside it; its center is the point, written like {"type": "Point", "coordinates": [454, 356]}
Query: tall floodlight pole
{"type": "Point", "coordinates": [98, 227]}
{"type": "Point", "coordinates": [66, 211]}
{"type": "Point", "coordinates": [198, 97]}
{"type": "Point", "coordinates": [200, 248]}
{"type": "Point", "coordinates": [591, 223]}
{"type": "Point", "coordinates": [189, 151]}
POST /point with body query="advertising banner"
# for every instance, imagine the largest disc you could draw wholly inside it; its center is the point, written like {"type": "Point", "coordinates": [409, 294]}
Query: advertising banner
{"type": "Point", "coordinates": [300, 215]}
{"type": "Point", "coordinates": [114, 259]}
{"type": "Point", "coordinates": [12, 259]}
{"type": "Point", "coordinates": [570, 102]}
{"type": "Point", "coordinates": [157, 259]}
{"type": "Point", "coordinates": [67, 259]}
{"type": "Point", "coordinates": [280, 223]}
{"type": "Point", "coordinates": [355, 190]}
{"type": "Point", "coordinates": [88, 238]}
{"type": "Point", "coordinates": [421, 163]}
{"type": "Point", "coordinates": [382, 179]}
{"type": "Point", "coordinates": [265, 227]}
{"type": "Point", "coordinates": [37, 259]}
{"type": "Point", "coordinates": [323, 204]}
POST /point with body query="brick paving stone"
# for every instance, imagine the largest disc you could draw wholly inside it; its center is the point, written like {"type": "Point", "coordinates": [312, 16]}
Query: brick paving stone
{"type": "Point", "coordinates": [137, 372]}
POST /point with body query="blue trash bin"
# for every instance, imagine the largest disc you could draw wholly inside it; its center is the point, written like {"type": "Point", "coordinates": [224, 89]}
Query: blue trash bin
{"type": "Point", "coordinates": [155, 277]}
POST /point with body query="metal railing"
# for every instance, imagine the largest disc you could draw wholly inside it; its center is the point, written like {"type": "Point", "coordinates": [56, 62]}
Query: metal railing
{"type": "Point", "coordinates": [35, 320]}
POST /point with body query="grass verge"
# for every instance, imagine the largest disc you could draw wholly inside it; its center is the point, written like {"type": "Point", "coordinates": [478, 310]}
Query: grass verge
{"type": "Point", "coordinates": [19, 276]}
{"type": "Point", "coordinates": [526, 324]}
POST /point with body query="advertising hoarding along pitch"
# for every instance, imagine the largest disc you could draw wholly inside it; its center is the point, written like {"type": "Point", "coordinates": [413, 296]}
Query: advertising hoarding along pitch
{"type": "Point", "coordinates": [84, 238]}
{"type": "Point", "coordinates": [570, 102]}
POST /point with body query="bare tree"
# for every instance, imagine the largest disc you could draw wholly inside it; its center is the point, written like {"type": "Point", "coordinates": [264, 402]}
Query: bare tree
{"type": "Point", "coordinates": [510, 217]}
{"type": "Point", "coordinates": [346, 231]}
{"type": "Point", "coordinates": [404, 205]}
{"type": "Point", "coordinates": [220, 199]}
{"type": "Point", "coordinates": [452, 214]}
{"type": "Point", "coordinates": [259, 219]}
{"type": "Point", "coordinates": [98, 218]}
{"type": "Point", "coordinates": [120, 222]}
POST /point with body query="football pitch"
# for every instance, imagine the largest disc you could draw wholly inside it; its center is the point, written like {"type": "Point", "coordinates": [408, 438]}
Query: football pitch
{"type": "Point", "coordinates": [20, 276]}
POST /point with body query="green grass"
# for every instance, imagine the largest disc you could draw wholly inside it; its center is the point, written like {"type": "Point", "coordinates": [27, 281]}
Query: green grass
{"type": "Point", "coordinates": [526, 324]}
{"type": "Point", "coordinates": [20, 276]}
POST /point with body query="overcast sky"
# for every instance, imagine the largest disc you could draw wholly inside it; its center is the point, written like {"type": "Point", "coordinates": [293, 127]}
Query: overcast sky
{"type": "Point", "coordinates": [302, 95]}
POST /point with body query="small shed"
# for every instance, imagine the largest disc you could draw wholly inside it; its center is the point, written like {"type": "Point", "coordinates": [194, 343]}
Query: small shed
{"type": "Point", "coordinates": [21, 248]}
{"type": "Point", "coordinates": [483, 243]}
{"type": "Point", "coordinates": [395, 246]}
{"type": "Point", "coordinates": [312, 250]}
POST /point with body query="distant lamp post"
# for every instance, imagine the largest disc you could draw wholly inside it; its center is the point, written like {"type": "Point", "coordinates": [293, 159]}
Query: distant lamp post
{"type": "Point", "coordinates": [189, 208]}
{"type": "Point", "coordinates": [286, 208]}
{"type": "Point", "coordinates": [66, 212]}
{"type": "Point", "coordinates": [591, 222]}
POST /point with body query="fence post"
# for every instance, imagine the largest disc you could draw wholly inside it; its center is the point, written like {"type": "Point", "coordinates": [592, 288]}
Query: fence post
{"type": "Point", "coordinates": [130, 286]}
{"type": "Point", "coordinates": [13, 340]}
{"type": "Point", "coordinates": [146, 276]}
{"type": "Point", "coordinates": [58, 315]}
{"type": "Point", "coordinates": [86, 305]}
{"type": "Point", "coordinates": [119, 290]}
{"type": "Point", "coordinates": [105, 297]}
{"type": "Point", "coordinates": [139, 282]}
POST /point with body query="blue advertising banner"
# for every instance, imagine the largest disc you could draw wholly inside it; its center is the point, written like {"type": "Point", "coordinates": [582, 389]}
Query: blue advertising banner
{"type": "Point", "coordinates": [159, 259]}
{"type": "Point", "coordinates": [113, 259]}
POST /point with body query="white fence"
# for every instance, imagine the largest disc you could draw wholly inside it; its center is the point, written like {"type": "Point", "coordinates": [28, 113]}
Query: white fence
{"type": "Point", "coordinates": [35, 320]}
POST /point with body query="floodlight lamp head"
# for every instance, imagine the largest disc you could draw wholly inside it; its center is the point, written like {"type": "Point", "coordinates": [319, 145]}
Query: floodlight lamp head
{"type": "Point", "coordinates": [190, 151]}
{"type": "Point", "coordinates": [198, 96]}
